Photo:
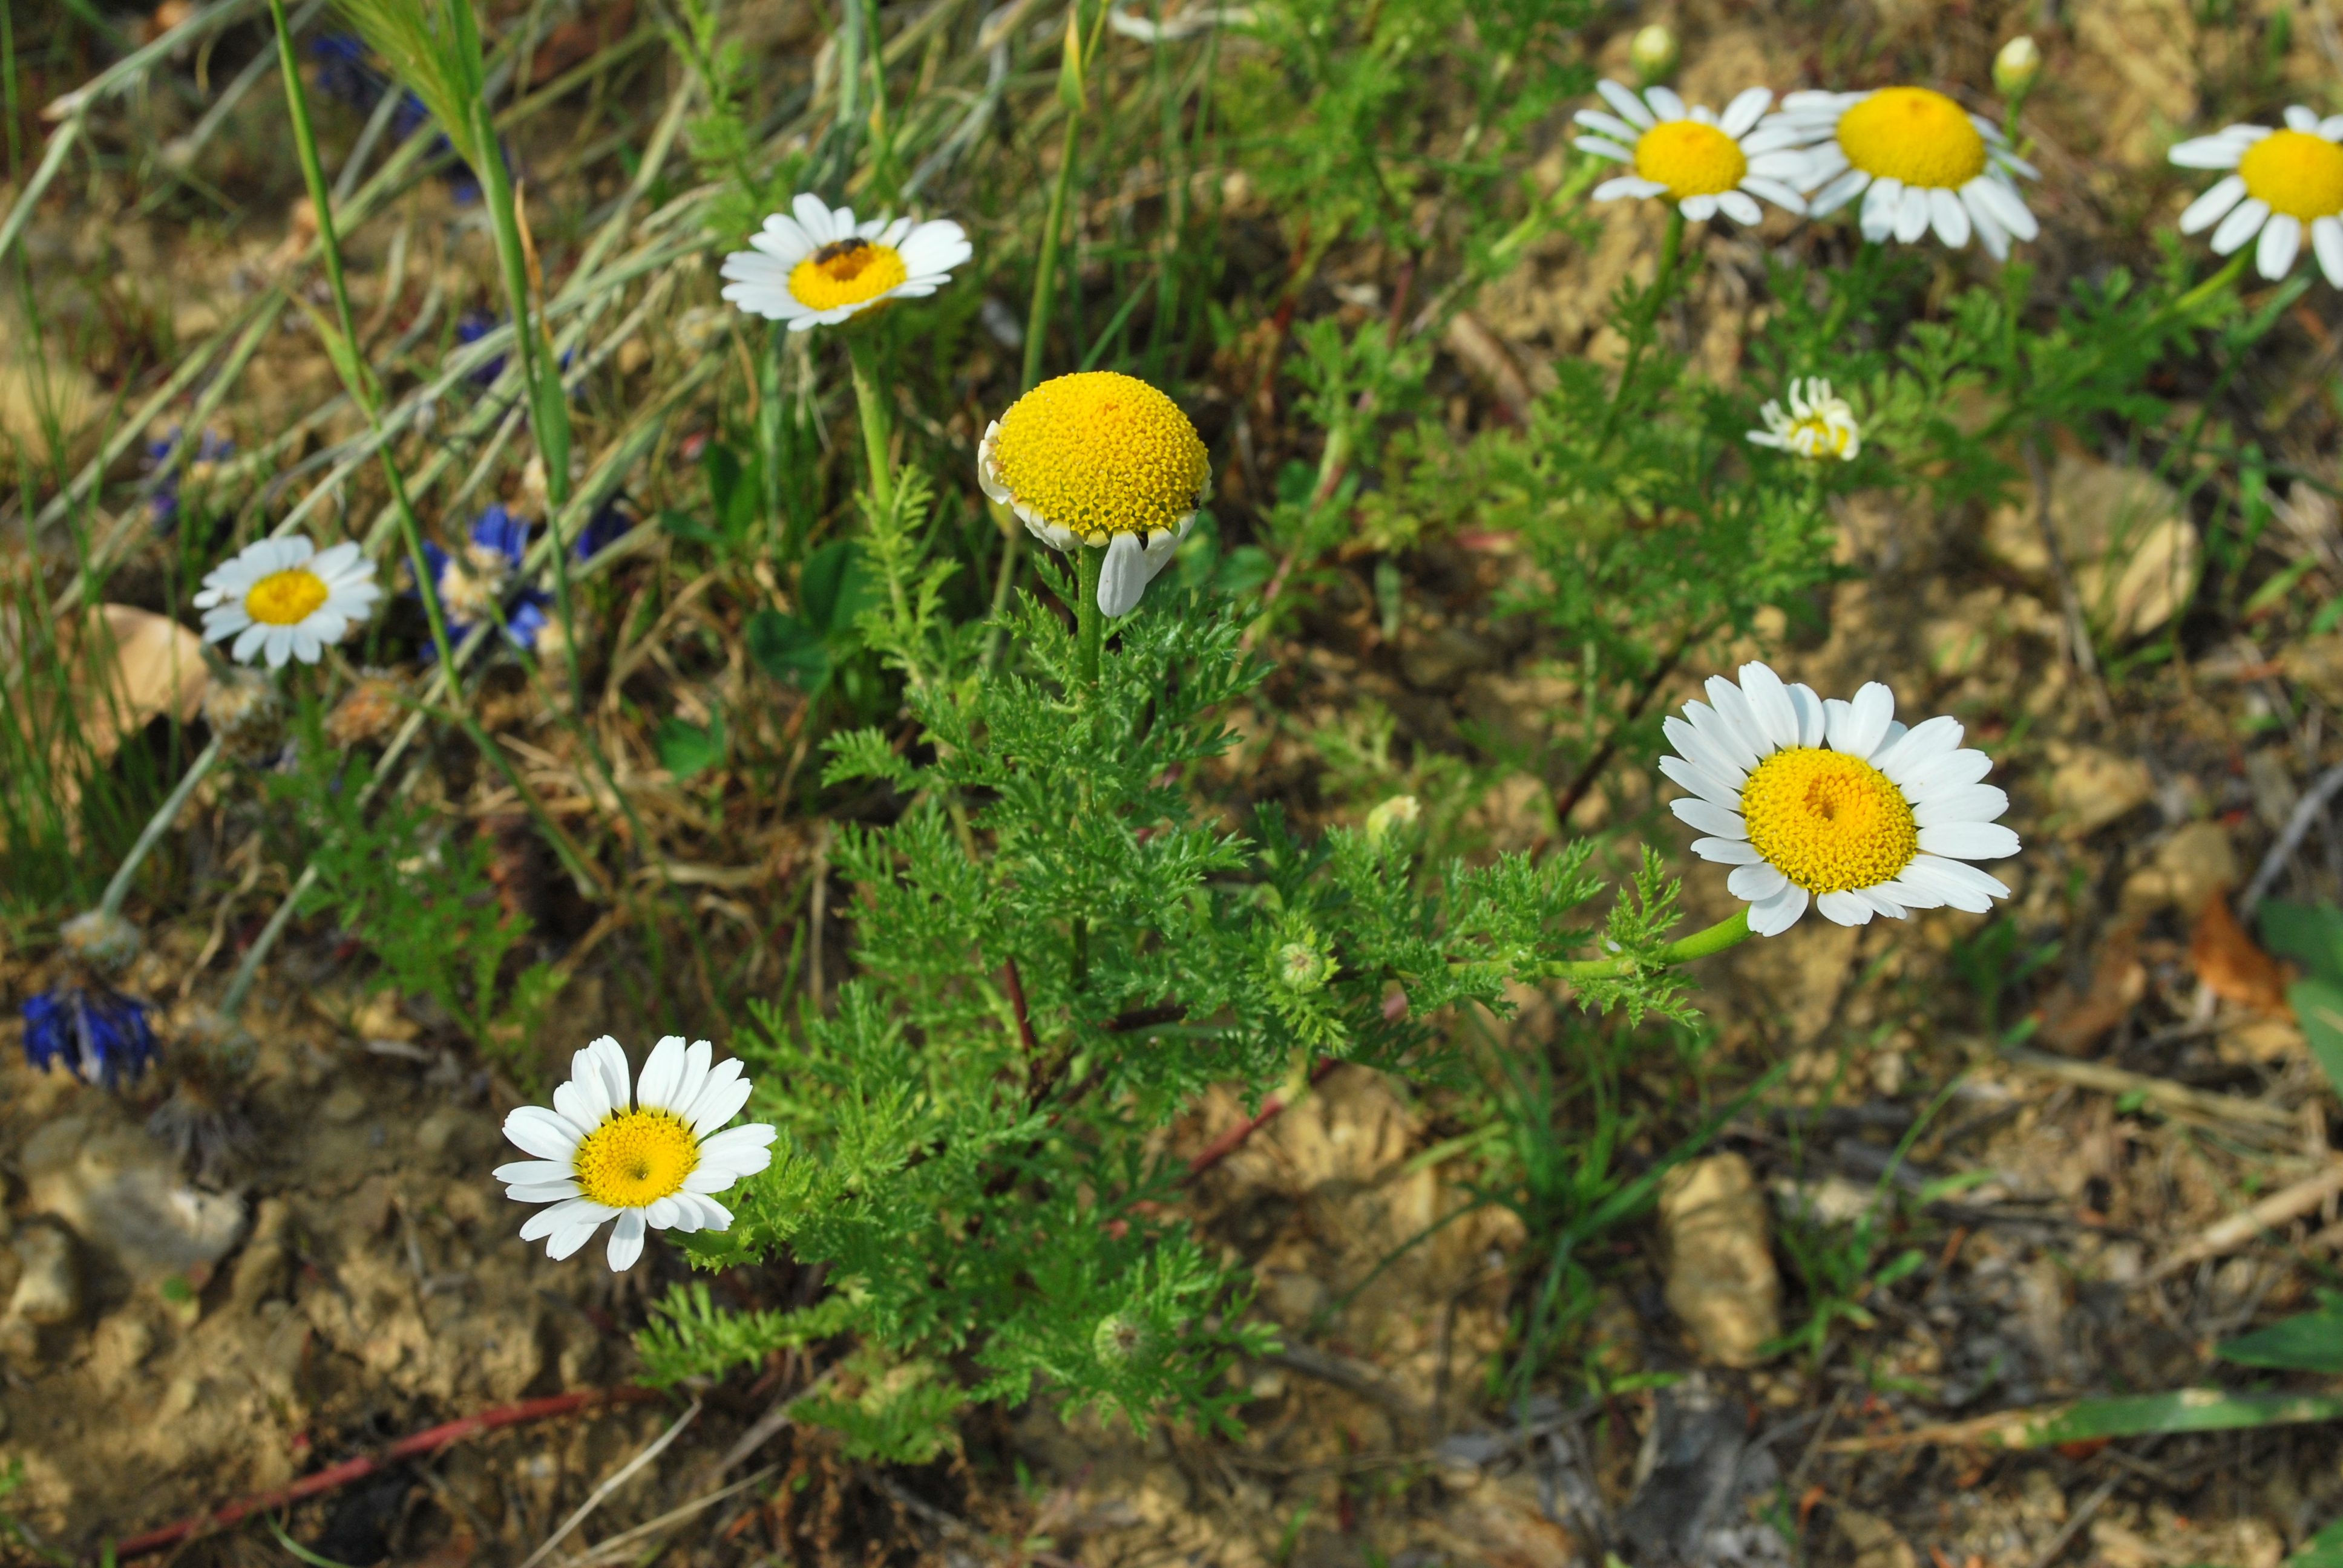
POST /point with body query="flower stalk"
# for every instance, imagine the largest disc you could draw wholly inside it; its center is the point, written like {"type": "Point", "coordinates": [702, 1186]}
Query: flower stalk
{"type": "Point", "coordinates": [1647, 316]}
{"type": "Point", "coordinates": [118, 890]}
{"type": "Point", "coordinates": [1089, 622]}
{"type": "Point", "coordinates": [877, 420]}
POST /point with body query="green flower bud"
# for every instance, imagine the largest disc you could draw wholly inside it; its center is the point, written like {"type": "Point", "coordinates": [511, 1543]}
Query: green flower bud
{"type": "Point", "coordinates": [2014, 68]}
{"type": "Point", "coordinates": [1303, 966]}
{"type": "Point", "coordinates": [1118, 1339]}
{"type": "Point", "coordinates": [104, 942]}
{"type": "Point", "coordinates": [1653, 53]}
{"type": "Point", "coordinates": [1070, 65]}
{"type": "Point", "coordinates": [1399, 811]}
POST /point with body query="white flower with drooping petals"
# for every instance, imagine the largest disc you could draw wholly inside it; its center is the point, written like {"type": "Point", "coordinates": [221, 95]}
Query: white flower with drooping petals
{"type": "Point", "coordinates": [1918, 160]}
{"type": "Point", "coordinates": [817, 267]}
{"type": "Point", "coordinates": [1817, 426]}
{"type": "Point", "coordinates": [1705, 162]}
{"type": "Point", "coordinates": [285, 598]}
{"type": "Point", "coordinates": [1835, 803]}
{"type": "Point", "coordinates": [2287, 182]}
{"type": "Point", "coordinates": [649, 1158]}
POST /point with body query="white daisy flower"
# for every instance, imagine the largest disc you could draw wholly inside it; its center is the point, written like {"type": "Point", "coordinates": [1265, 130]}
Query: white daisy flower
{"type": "Point", "coordinates": [286, 598]}
{"type": "Point", "coordinates": [2285, 181]}
{"type": "Point", "coordinates": [1704, 162]}
{"type": "Point", "coordinates": [652, 1162]}
{"type": "Point", "coordinates": [1817, 426]}
{"type": "Point", "coordinates": [821, 267]}
{"type": "Point", "coordinates": [1918, 160]}
{"type": "Point", "coordinates": [1099, 458]}
{"type": "Point", "coordinates": [1835, 803]}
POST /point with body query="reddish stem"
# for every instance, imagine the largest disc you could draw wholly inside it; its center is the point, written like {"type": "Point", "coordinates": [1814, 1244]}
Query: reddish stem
{"type": "Point", "coordinates": [350, 1470]}
{"type": "Point", "coordinates": [1228, 1142]}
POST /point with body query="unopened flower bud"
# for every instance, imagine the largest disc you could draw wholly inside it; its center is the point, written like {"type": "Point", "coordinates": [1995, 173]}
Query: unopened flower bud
{"type": "Point", "coordinates": [1399, 811]}
{"type": "Point", "coordinates": [1117, 1338]}
{"type": "Point", "coordinates": [1069, 64]}
{"type": "Point", "coordinates": [1303, 966]}
{"type": "Point", "coordinates": [1653, 53]}
{"type": "Point", "coordinates": [243, 710]}
{"type": "Point", "coordinates": [2014, 68]}
{"type": "Point", "coordinates": [102, 941]}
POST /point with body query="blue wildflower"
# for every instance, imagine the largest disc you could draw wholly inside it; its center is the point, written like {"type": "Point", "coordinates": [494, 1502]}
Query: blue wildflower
{"type": "Point", "coordinates": [101, 1036]}
{"type": "Point", "coordinates": [610, 522]}
{"type": "Point", "coordinates": [344, 73]}
{"type": "Point", "coordinates": [164, 503]}
{"type": "Point", "coordinates": [470, 328]}
{"type": "Point", "coordinates": [487, 578]}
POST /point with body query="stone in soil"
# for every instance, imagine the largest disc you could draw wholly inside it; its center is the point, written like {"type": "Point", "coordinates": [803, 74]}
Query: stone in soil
{"type": "Point", "coordinates": [1721, 1279]}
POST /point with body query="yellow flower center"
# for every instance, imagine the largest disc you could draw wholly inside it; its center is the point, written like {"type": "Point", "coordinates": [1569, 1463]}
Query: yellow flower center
{"type": "Point", "coordinates": [2298, 174]}
{"type": "Point", "coordinates": [846, 272]}
{"type": "Point", "coordinates": [1818, 437]}
{"type": "Point", "coordinates": [1102, 454]}
{"type": "Point", "coordinates": [1690, 158]}
{"type": "Point", "coordinates": [1828, 821]}
{"type": "Point", "coordinates": [1912, 134]}
{"type": "Point", "coordinates": [636, 1158]}
{"type": "Point", "coordinates": [286, 598]}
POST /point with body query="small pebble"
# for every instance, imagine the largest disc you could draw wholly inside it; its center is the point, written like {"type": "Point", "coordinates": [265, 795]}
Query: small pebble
{"type": "Point", "coordinates": [345, 1104]}
{"type": "Point", "coordinates": [48, 1292]}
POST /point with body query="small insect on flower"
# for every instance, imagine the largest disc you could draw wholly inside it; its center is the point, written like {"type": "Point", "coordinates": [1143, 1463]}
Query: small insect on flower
{"type": "Point", "coordinates": [2286, 181]}
{"type": "Point", "coordinates": [819, 267]}
{"type": "Point", "coordinates": [100, 1036]}
{"type": "Point", "coordinates": [650, 1156]}
{"type": "Point", "coordinates": [1817, 425]}
{"type": "Point", "coordinates": [1099, 458]}
{"type": "Point", "coordinates": [285, 598]}
{"type": "Point", "coordinates": [1704, 162]}
{"type": "Point", "coordinates": [1835, 803]}
{"type": "Point", "coordinates": [1918, 160]}
{"type": "Point", "coordinates": [482, 582]}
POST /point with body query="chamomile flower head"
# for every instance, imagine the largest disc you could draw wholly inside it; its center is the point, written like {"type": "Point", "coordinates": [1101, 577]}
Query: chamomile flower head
{"type": "Point", "coordinates": [2284, 182]}
{"type": "Point", "coordinates": [105, 942]}
{"type": "Point", "coordinates": [1835, 803]}
{"type": "Point", "coordinates": [100, 1036]}
{"type": "Point", "coordinates": [816, 267]}
{"type": "Point", "coordinates": [1918, 160]}
{"type": "Point", "coordinates": [1817, 425]}
{"type": "Point", "coordinates": [646, 1154]}
{"type": "Point", "coordinates": [1097, 458]}
{"type": "Point", "coordinates": [1705, 162]}
{"type": "Point", "coordinates": [285, 598]}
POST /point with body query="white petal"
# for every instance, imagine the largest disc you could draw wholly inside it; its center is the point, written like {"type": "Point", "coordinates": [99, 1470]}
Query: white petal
{"type": "Point", "coordinates": [1740, 208]}
{"type": "Point", "coordinates": [1123, 577]}
{"type": "Point", "coordinates": [1665, 103]}
{"type": "Point", "coordinates": [2207, 153]}
{"type": "Point", "coordinates": [1778, 913]}
{"type": "Point", "coordinates": [543, 1134]}
{"type": "Point", "coordinates": [662, 1213]}
{"type": "Point", "coordinates": [2299, 118]}
{"type": "Point", "coordinates": [1921, 744]}
{"type": "Point", "coordinates": [1962, 886]}
{"type": "Point", "coordinates": [2240, 225]}
{"type": "Point", "coordinates": [934, 247]}
{"type": "Point", "coordinates": [1967, 803]}
{"type": "Point", "coordinates": [1779, 193]}
{"type": "Point", "coordinates": [1626, 186]}
{"type": "Point", "coordinates": [542, 1192]}
{"type": "Point", "coordinates": [2327, 241]}
{"type": "Point", "coordinates": [662, 1075]}
{"type": "Point", "coordinates": [713, 1090]}
{"type": "Point", "coordinates": [1710, 818]}
{"type": "Point", "coordinates": [1722, 737]}
{"type": "Point", "coordinates": [1630, 108]}
{"type": "Point", "coordinates": [813, 216]}
{"type": "Point", "coordinates": [1732, 705]}
{"type": "Point", "coordinates": [1912, 215]}
{"type": "Point", "coordinates": [1838, 193]}
{"type": "Point", "coordinates": [719, 1106]}
{"type": "Point", "coordinates": [1697, 780]}
{"type": "Point", "coordinates": [695, 1078]}
{"type": "Point", "coordinates": [2281, 242]}
{"type": "Point", "coordinates": [1727, 851]}
{"type": "Point", "coordinates": [1952, 224]}
{"type": "Point", "coordinates": [1756, 882]}
{"type": "Point", "coordinates": [526, 1171]}
{"type": "Point", "coordinates": [1770, 703]}
{"type": "Point", "coordinates": [744, 1149]}
{"type": "Point", "coordinates": [1700, 751]}
{"type": "Point", "coordinates": [1953, 771]}
{"type": "Point", "coordinates": [2210, 209]}
{"type": "Point", "coordinates": [1846, 908]}
{"type": "Point", "coordinates": [609, 1058]}
{"type": "Point", "coordinates": [566, 1244]}
{"type": "Point", "coordinates": [1867, 718]}
{"type": "Point", "coordinates": [1969, 841]}
{"type": "Point", "coordinates": [1602, 147]}
{"type": "Point", "coordinates": [1608, 125]}
{"type": "Point", "coordinates": [562, 1215]}
{"type": "Point", "coordinates": [1699, 208]}
{"type": "Point", "coordinates": [1812, 721]}
{"type": "Point", "coordinates": [626, 1240]}
{"type": "Point", "coordinates": [1747, 107]}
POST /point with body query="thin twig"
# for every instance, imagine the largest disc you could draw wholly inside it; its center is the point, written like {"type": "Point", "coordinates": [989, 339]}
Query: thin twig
{"type": "Point", "coordinates": [2306, 811]}
{"type": "Point", "coordinates": [626, 1473]}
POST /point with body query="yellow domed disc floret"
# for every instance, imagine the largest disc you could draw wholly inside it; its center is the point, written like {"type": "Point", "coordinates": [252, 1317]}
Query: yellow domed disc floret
{"type": "Point", "coordinates": [1102, 454]}
{"type": "Point", "coordinates": [2296, 173]}
{"type": "Point", "coordinates": [1828, 821]}
{"type": "Point", "coordinates": [1912, 134]}
{"type": "Point", "coordinates": [286, 598]}
{"type": "Point", "coordinates": [1690, 158]}
{"type": "Point", "coordinates": [634, 1157]}
{"type": "Point", "coordinates": [846, 272]}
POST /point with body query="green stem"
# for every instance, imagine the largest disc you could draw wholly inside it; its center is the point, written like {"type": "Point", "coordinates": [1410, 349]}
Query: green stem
{"type": "Point", "coordinates": [2211, 286]}
{"type": "Point", "coordinates": [1647, 316]}
{"type": "Point", "coordinates": [1725, 933]}
{"type": "Point", "coordinates": [878, 424]}
{"type": "Point", "coordinates": [1089, 621]}
{"type": "Point", "coordinates": [255, 956]}
{"type": "Point", "coordinates": [118, 890]}
{"type": "Point", "coordinates": [1045, 276]}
